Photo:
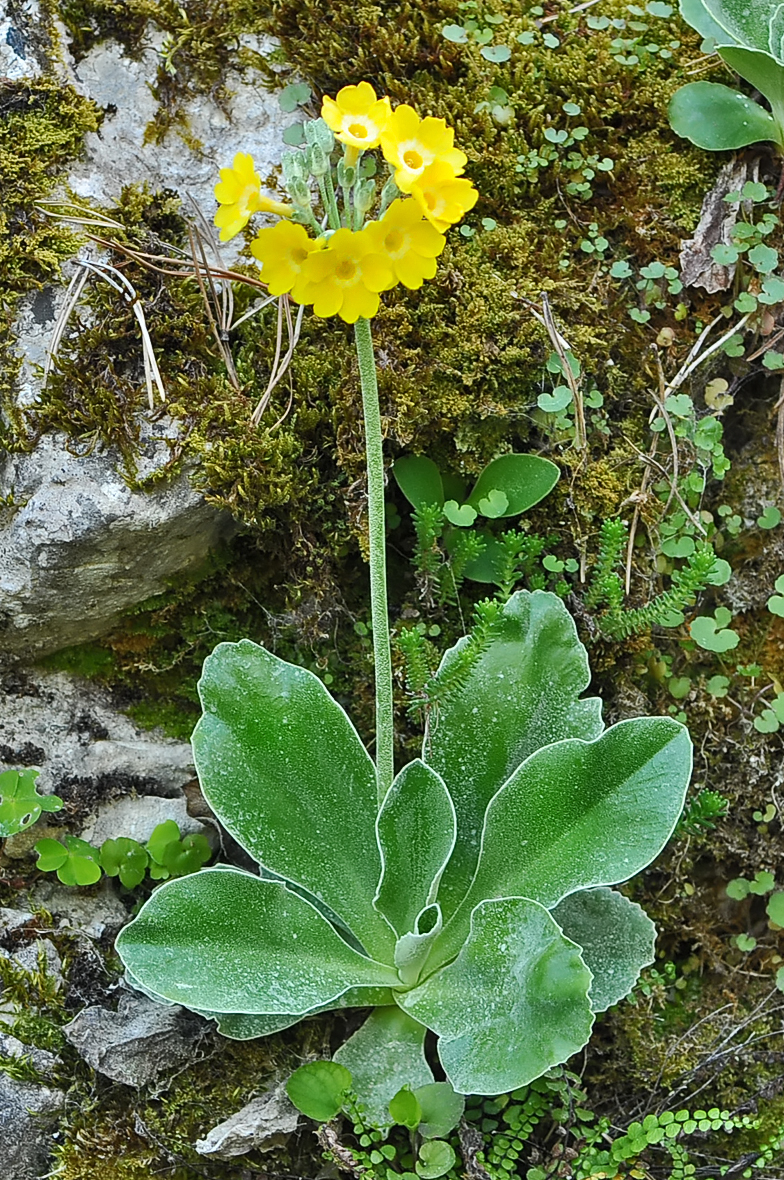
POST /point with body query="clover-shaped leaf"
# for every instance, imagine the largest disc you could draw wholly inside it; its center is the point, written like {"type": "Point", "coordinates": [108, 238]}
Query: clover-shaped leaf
{"type": "Point", "coordinates": [76, 862]}
{"type": "Point", "coordinates": [460, 515]}
{"type": "Point", "coordinates": [553, 403]}
{"type": "Point", "coordinates": [769, 517]}
{"type": "Point", "coordinates": [494, 504]}
{"type": "Point", "coordinates": [124, 858]}
{"type": "Point", "coordinates": [20, 803]}
{"type": "Point", "coordinates": [775, 908]}
{"type": "Point", "coordinates": [187, 855]}
{"type": "Point", "coordinates": [713, 634]}
{"type": "Point", "coordinates": [776, 601]}
{"type": "Point", "coordinates": [436, 1157]}
{"type": "Point", "coordinates": [319, 1089]}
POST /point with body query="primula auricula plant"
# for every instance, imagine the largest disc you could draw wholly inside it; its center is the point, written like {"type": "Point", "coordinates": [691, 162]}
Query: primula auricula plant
{"type": "Point", "coordinates": [749, 36]}
{"type": "Point", "coordinates": [468, 894]}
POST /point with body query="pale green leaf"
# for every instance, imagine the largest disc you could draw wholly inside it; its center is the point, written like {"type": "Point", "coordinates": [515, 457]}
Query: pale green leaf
{"type": "Point", "coordinates": [405, 1109]}
{"type": "Point", "coordinates": [746, 21]}
{"type": "Point", "coordinates": [718, 119]}
{"type": "Point", "coordinates": [243, 1026]}
{"type": "Point", "coordinates": [579, 814]}
{"type": "Point", "coordinates": [416, 835]}
{"type": "Point", "coordinates": [385, 1054]}
{"type": "Point", "coordinates": [436, 1158]}
{"type": "Point", "coordinates": [521, 693]}
{"type": "Point", "coordinates": [616, 938]}
{"type": "Point", "coordinates": [413, 949]}
{"type": "Point", "coordinates": [513, 1004]}
{"type": "Point", "coordinates": [759, 68]}
{"type": "Point", "coordinates": [695, 14]}
{"type": "Point", "coordinates": [222, 940]}
{"type": "Point", "coordinates": [441, 1109]}
{"type": "Point", "coordinates": [284, 770]}
{"type": "Point", "coordinates": [776, 34]}
{"type": "Point", "coordinates": [319, 1089]}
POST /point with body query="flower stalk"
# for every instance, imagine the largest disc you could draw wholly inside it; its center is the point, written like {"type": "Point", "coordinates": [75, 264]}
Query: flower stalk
{"type": "Point", "coordinates": [382, 652]}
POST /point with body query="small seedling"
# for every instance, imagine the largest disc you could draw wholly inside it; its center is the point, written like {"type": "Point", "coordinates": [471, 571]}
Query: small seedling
{"type": "Point", "coordinates": [20, 803]}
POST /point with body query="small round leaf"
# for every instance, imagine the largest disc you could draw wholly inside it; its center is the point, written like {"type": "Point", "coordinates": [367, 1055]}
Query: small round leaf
{"type": "Point", "coordinates": [319, 1089]}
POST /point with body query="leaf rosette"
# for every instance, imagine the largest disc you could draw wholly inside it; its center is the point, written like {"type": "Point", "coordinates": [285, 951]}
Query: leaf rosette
{"type": "Point", "coordinates": [475, 901]}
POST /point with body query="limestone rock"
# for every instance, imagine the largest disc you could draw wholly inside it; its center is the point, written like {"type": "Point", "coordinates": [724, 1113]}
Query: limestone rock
{"type": "Point", "coordinates": [27, 1113]}
{"type": "Point", "coordinates": [263, 1124]}
{"type": "Point", "coordinates": [82, 547]}
{"type": "Point", "coordinates": [137, 817]}
{"type": "Point", "coordinates": [139, 1041]}
{"type": "Point", "coordinates": [41, 1059]}
{"type": "Point", "coordinates": [86, 750]}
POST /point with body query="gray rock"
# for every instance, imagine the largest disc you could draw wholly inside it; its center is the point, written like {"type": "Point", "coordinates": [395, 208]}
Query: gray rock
{"type": "Point", "coordinates": [86, 750]}
{"type": "Point", "coordinates": [265, 1123]}
{"type": "Point", "coordinates": [93, 915]}
{"type": "Point", "coordinates": [139, 1041]}
{"type": "Point", "coordinates": [29, 955]}
{"type": "Point", "coordinates": [13, 920]}
{"type": "Point", "coordinates": [136, 817]}
{"type": "Point", "coordinates": [24, 40]}
{"type": "Point", "coordinates": [43, 1061]}
{"type": "Point", "coordinates": [79, 547]}
{"type": "Point", "coordinates": [27, 1115]}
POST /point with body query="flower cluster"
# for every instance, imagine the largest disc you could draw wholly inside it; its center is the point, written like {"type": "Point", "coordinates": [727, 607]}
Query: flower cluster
{"type": "Point", "coordinates": [343, 269]}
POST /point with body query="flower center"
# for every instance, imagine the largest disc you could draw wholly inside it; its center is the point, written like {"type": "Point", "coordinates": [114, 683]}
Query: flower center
{"type": "Point", "coordinates": [345, 270]}
{"type": "Point", "coordinates": [358, 130]}
{"type": "Point", "coordinates": [413, 159]}
{"type": "Point", "coordinates": [431, 200]}
{"type": "Point", "coordinates": [393, 242]}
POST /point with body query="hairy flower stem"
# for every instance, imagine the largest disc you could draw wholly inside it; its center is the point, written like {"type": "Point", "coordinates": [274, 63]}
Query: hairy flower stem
{"type": "Point", "coordinates": [382, 654]}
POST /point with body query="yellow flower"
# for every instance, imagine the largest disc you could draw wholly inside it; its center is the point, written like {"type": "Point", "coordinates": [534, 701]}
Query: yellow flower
{"type": "Point", "coordinates": [443, 197]}
{"type": "Point", "coordinates": [356, 116]}
{"type": "Point", "coordinates": [238, 193]}
{"type": "Point", "coordinates": [410, 144]}
{"type": "Point", "coordinates": [408, 242]}
{"type": "Point", "coordinates": [282, 251]}
{"type": "Point", "coordinates": [345, 277]}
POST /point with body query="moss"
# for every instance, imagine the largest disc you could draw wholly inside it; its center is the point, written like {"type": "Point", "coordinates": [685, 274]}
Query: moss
{"type": "Point", "coordinates": [42, 127]}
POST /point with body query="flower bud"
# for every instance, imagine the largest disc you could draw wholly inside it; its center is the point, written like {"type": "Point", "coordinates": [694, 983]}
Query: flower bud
{"type": "Point", "coordinates": [319, 160]}
{"type": "Point", "coordinates": [299, 192]}
{"type": "Point", "coordinates": [317, 132]}
{"type": "Point", "coordinates": [346, 174]}
{"type": "Point", "coordinates": [364, 195]}
{"type": "Point", "coordinates": [294, 166]}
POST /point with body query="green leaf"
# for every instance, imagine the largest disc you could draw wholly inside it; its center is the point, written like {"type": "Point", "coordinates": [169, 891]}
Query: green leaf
{"type": "Point", "coordinates": [694, 13]}
{"type": "Point", "coordinates": [494, 504]}
{"type": "Point", "coordinates": [513, 1003]}
{"type": "Point", "coordinates": [419, 480]}
{"type": "Point", "coordinates": [242, 1026]}
{"type": "Point", "coordinates": [76, 864]}
{"type": "Point", "coordinates": [520, 694]}
{"type": "Point", "coordinates": [20, 803]}
{"type": "Point", "coordinates": [460, 515]}
{"type": "Point", "coordinates": [764, 258]}
{"type": "Point", "coordinates": [616, 938]}
{"type": "Point", "coordinates": [553, 403]}
{"type": "Point", "coordinates": [711, 635]}
{"type": "Point", "coordinates": [187, 855]}
{"type": "Point", "coordinates": [225, 941]}
{"type": "Point", "coordinates": [769, 518]}
{"type": "Point", "coordinates": [319, 1089]}
{"type": "Point", "coordinates": [455, 33]}
{"type": "Point", "coordinates": [284, 770]}
{"type": "Point", "coordinates": [294, 136]}
{"type": "Point", "coordinates": [738, 889]}
{"type": "Point", "coordinates": [126, 859]}
{"type": "Point", "coordinates": [442, 1109]}
{"type": "Point", "coordinates": [405, 1109]}
{"type": "Point", "coordinates": [579, 814]}
{"type": "Point", "coordinates": [775, 908]}
{"type": "Point", "coordinates": [51, 854]}
{"type": "Point", "coordinates": [162, 836]}
{"type": "Point", "coordinates": [385, 1054]}
{"type": "Point", "coordinates": [293, 95]}
{"type": "Point", "coordinates": [435, 1159]}
{"type": "Point", "coordinates": [524, 480]}
{"type": "Point", "coordinates": [746, 22]}
{"type": "Point", "coordinates": [416, 834]}
{"type": "Point", "coordinates": [762, 71]}
{"type": "Point", "coordinates": [495, 53]}
{"type": "Point", "coordinates": [719, 119]}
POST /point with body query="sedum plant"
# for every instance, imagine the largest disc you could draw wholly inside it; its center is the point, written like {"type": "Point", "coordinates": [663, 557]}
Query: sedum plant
{"type": "Point", "coordinates": [749, 36]}
{"type": "Point", "coordinates": [470, 894]}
